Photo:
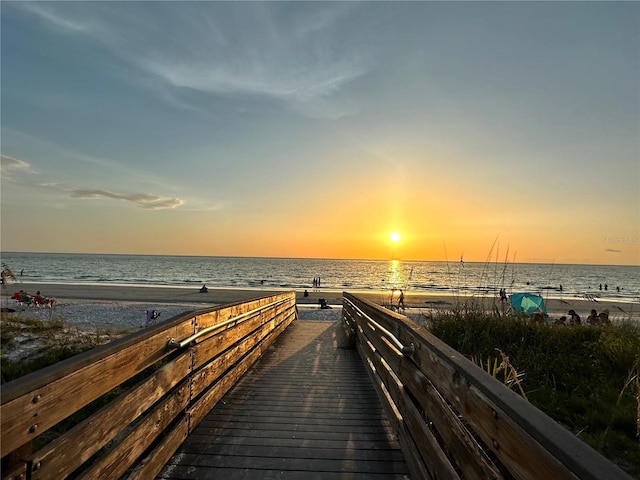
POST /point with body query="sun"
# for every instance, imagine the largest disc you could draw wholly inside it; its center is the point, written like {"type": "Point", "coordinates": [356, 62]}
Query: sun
{"type": "Point", "coordinates": [394, 237]}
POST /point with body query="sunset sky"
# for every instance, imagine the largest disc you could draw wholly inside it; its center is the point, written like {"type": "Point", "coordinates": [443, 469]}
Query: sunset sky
{"type": "Point", "coordinates": [507, 130]}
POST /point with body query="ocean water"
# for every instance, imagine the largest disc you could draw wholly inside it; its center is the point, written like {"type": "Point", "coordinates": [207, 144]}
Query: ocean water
{"type": "Point", "coordinates": [578, 281]}
{"type": "Point", "coordinates": [620, 283]}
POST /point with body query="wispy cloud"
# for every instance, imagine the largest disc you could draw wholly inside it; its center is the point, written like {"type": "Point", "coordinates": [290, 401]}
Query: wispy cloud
{"type": "Point", "coordinates": [10, 164]}
{"type": "Point", "coordinates": [287, 57]}
{"type": "Point", "coordinates": [144, 200]}
{"type": "Point", "coordinates": [60, 21]}
{"type": "Point", "coordinates": [149, 201]}
{"type": "Point", "coordinates": [56, 155]}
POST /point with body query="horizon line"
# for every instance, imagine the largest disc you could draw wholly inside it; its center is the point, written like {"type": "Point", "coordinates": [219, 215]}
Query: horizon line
{"type": "Point", "coordinates": [501, 262]}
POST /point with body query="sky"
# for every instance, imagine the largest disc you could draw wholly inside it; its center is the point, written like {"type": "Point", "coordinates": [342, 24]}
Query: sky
{"type": "Point", "coordinates": [505, 131]}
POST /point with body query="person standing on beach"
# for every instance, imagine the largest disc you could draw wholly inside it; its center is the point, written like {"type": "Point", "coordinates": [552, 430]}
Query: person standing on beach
{"type": "Point", "coordinates": [401, 300]}
{"type": "Point", "coordinates": [503, 295]}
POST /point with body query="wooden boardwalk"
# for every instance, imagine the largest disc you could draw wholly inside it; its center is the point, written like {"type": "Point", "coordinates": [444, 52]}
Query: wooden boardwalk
{"type": "Point", "coordinates": [306, 410]}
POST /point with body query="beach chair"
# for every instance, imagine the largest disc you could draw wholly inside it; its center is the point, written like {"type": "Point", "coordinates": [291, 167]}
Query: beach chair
{"type": "Point", "coordinates": [22, 298]}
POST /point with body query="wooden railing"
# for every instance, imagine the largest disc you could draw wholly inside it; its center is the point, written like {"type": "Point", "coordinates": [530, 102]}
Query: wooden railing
{"type": "Point", "coordinates": [452, 419]}
{"type": "Point", "coordinates": [146, 392]}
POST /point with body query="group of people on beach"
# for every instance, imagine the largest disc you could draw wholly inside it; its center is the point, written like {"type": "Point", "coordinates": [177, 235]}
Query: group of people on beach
{"type": "Point", "coordinates": [606, 287]}
{"type": "Point", "coordinates": [594, 318]}
{"type": "Point", "coordinates": [37, 300]}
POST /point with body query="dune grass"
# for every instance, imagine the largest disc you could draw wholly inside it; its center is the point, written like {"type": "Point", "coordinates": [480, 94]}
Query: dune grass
{"type": "Point", "coordinates": [49, 342]}
{"type": "Point", "coordinates": [584, 377]}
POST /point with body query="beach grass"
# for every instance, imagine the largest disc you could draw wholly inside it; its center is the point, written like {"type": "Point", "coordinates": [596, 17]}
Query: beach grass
{"type": "Point", "coordinates": [31, 344]}
{"type": "Point", "coordinates": [584, 377]}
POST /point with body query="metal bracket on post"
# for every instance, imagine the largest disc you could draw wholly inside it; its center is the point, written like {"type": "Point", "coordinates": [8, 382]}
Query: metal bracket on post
{"type": "Point", "coordinates": [409, 349]}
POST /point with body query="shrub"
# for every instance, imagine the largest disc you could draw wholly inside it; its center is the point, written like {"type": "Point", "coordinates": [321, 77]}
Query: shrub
{"type": "Point", "coordinates": [584, 377]}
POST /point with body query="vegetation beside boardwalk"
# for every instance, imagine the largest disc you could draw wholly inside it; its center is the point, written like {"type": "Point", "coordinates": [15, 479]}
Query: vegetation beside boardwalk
{"type": "Point", "coordinates": [584, 377]}
{"type": "Point", "coordinates": [30, 344]}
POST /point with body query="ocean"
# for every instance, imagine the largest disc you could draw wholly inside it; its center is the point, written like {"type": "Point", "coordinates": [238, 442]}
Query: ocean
{"type": "Point", "coordinates": [619, 283]}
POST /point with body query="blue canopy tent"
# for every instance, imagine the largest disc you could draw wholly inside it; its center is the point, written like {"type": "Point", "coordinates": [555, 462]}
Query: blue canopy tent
{"type": "Point", "coordinates": [527, 303]}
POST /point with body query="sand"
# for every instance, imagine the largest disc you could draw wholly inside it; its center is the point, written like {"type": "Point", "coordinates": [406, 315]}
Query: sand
{"type": "Point", "coordinates": [108, 311]}
{"type": "Point", "coordinates": [415, 302]}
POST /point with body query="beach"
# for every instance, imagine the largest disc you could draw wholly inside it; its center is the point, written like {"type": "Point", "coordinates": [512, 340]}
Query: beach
{"type": "Point", "coordinates": [106, 312]}
{"type": "Point", "coordinates": [101, 306]}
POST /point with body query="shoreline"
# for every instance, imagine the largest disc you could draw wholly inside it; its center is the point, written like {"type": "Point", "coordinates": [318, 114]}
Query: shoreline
{"type": "Point", "coordinates": [414, 301]}
{"type": "Point", "coordinates": [109, 311]}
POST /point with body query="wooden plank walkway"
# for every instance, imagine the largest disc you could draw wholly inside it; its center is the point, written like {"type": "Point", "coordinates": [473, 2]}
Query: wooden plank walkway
{"type": "Point", "coordinates": [307, 409]}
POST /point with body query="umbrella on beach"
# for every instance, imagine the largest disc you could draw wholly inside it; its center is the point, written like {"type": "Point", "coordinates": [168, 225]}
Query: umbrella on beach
{"type": "Point", "coordinates": [527, 303]}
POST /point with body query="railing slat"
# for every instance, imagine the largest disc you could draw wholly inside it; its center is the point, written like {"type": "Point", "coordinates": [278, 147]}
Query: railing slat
{"type": "Point", "coordinates": [31, 414]}
{"type": "Point", "coordinates": [427, 445]}
{"type": "Point", "coordinates": [65, 454]}
{"type": "Point", "coordinates": [470, 458]}
{"type": "Point", "coordinates": [157, 459]}
{"type": "Point", "coordinates": [118, 460]}
{"type": "Point", "coordinates": [410, 443]}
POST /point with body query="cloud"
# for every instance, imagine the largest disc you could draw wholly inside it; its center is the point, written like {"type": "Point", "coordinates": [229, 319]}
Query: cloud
{"type": "Point", "coordinates": [144, 200]}
{"type": "Point", "coordinates": [290, 54]}
{"type": "Point", "coordinates": [10, 164]}
{"type": "Point", "coordinates": [290, 57]}
{"type": "Point", "coordinates": [612, 250]}
{"type": "Point", "coordinates": [61, 22]}
{"type": "Point", "coordinates": [11, 169]}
